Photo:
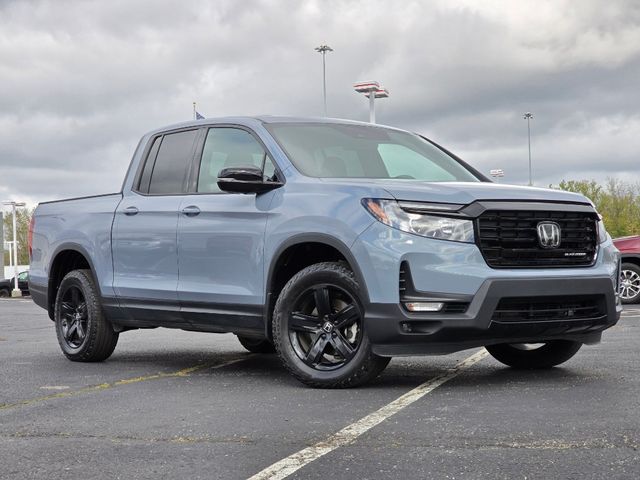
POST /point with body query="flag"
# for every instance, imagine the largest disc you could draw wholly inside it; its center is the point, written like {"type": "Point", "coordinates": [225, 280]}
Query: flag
{"type": "Point", "coordinates": [199, 116]}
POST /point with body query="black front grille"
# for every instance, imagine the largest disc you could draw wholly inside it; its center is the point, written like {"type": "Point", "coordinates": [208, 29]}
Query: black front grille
{"type": "Point", "coordinates": [549, 309]}
{"type": "Point", "coordinates": [510, 238]}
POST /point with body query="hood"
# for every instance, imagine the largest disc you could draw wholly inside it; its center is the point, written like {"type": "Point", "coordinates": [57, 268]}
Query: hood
{"type": "Point", "coordinates": [468, 192]}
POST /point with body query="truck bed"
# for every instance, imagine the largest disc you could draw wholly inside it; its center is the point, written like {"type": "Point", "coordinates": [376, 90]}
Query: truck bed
{"type": "Point", "coordinates": [82, 223]}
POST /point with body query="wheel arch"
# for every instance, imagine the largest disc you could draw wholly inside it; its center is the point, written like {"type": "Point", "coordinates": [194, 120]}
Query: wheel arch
{"type": "Point", "coordinates": [67, 257]}
{"type": "Point", "coordinates": [286, 262]}
{"type": "Point", "coordinates": [634, 259]}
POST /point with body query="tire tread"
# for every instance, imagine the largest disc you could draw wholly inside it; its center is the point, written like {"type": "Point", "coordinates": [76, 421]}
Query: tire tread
{"type": "Point", "coordinates": [255, 346]}
{"type": "Point", "coordinates": [553, 353]}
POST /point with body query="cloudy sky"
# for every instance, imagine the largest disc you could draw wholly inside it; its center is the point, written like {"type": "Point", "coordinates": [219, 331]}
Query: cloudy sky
{"type": "Point", "coordinates": [81, 81]}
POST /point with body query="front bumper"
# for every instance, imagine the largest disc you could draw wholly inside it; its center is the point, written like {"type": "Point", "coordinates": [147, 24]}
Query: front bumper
{"type": "Point", "coordinates": [394, 331]}
{"type": "Point", "coordinates": [457, 272]}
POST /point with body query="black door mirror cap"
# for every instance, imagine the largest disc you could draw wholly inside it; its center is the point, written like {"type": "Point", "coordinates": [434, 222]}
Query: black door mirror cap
{"type": "Point", "coordinates": [247, 179]}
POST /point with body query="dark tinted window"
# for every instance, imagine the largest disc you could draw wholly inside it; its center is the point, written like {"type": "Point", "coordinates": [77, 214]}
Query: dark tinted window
{"type": "Point", "coordinates": [230, 147]}
{"type": "Point", "coordinates": [143, 186]}
{"type": "Point", "coordinates": [171, 163]}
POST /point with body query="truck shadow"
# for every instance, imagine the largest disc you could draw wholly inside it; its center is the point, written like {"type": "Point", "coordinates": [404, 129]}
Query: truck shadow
{"type": "Point", "coordinates": [400, 373]}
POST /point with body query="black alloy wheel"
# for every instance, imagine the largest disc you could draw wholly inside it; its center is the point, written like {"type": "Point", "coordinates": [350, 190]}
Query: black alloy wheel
{"type": "Point", "coordinates": [325, 327]}
{"type": "Point", "coordinates": [319, 328]}
{"type": "Point", "coordinates": [84, 333]}
{"type": "Point", "coordinates": [74, 317]}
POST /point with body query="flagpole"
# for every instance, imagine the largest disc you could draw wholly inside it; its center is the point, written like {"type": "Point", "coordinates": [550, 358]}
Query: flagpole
{"type": "Point", "coordinates": [194, 110]}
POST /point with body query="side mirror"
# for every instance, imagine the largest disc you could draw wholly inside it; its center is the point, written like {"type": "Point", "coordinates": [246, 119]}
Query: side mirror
{"type": "Point", "coordinates": [244, 180]}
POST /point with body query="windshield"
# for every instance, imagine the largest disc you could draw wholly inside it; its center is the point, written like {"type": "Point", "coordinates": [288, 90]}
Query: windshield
{"type": "Point", "coordinates": [358, 151]}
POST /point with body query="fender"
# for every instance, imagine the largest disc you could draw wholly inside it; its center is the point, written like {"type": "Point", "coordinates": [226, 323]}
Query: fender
{"type": "Point", "coordinates": [67, 246]}
{"type": "Point", "coordinates": [314, 237]}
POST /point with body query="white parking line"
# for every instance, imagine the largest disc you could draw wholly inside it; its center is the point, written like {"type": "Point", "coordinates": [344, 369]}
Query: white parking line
{"type": "Point", "coordinates": [292, 463]}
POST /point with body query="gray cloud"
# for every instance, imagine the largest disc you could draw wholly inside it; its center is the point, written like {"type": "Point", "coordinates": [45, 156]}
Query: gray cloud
{"type": "Point", "coordinates": [81, 81]}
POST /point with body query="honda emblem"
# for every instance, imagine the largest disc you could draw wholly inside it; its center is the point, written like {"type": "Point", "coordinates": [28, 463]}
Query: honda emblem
{"type": "Point", "coordinates": [549, 234]}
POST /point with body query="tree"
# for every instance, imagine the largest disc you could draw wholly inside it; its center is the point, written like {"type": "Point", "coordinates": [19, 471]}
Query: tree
{"type": "Point", "coordinates": [23, 218]}
{"type": "Point", "coordinates": [618, 202]}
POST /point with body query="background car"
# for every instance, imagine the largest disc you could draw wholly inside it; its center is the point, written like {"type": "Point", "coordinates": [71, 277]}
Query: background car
{"type": "Point", "coordinates": [630, 277]}
{"type": "Point", "coordinates": [23, 284]}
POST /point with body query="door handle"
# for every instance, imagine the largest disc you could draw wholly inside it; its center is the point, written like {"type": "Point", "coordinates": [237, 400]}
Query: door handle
{"type": "Point", "coordinates": [131, 211]}
{"type": "Point", "coordinates": [191, 211]}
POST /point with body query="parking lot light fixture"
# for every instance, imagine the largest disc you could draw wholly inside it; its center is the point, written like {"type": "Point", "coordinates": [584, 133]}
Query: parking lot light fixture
{"type": "Point", "coordinates": [528, 117]}
{"type": "Point", "coordinates": [323, 49]}
{"type": "Point", "coordinates": [497, 173]}
{"type": "Point", "coordinates": [372, 90]}
{"type": "Point", "coordinates": [16, 291]}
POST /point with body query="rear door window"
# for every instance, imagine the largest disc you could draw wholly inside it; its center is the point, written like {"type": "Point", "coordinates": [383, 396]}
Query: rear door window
{"type": "Point", "coordinates": [171, 163]}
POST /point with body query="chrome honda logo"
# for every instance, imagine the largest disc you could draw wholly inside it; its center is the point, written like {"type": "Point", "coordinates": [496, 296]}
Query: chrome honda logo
{"type": "Point", "coordinates": [549, 234]}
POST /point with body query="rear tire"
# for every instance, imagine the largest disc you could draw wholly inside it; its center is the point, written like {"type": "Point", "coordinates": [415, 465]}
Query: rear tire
{"type": "Point", "coordinates": [547, 355]}
{"type": "Point", "coordinates": [84, 334]}
{"type": "Point", "coordinates": [630, 283]}
{"type": "Point", "coordinates": [256, 345]}
{"type": "Point", "coordinates": [318, 329]}
{"type": "Point", "coordinates": [4, 293]}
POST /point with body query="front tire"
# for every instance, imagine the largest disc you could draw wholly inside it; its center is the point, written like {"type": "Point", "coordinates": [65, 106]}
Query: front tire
{"type": "Point", "coordinates": [318, 329]}
{"type": "Point", "coordinates": [630, 283]}
{"type": "Point", "coordinates": [4, 293]}
{"type": "Point", "coordinates": [84, 334]}
{"type": "Point", "coordinates": [529, 356]}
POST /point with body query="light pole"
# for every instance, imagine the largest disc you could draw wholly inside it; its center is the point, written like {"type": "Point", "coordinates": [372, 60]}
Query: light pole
{"type": "Point", "coordinates": [528, 116]}
{"type": "Point", "coordinates": [323, 49]}
{"type": "Point", "coordinates": [16, 291]}
{"type": "Point", "coordinates": [10, 244]}
{"type": "Point", "coordinates": [372, 90]}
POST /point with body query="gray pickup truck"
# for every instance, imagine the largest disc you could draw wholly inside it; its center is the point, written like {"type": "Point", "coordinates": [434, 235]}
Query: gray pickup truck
{"type": "Point", "coordinates": [337, 244]}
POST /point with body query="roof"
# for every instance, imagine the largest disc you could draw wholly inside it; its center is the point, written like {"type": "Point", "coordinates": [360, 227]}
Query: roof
{"type": "Point", "coordinates": [263, 119]}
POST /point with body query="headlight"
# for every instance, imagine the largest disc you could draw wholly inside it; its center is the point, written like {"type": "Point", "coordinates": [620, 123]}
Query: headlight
{"type": "Point", "coordinates": [423, 224]}
{"type": "Point", "coordinates": [603, 236]}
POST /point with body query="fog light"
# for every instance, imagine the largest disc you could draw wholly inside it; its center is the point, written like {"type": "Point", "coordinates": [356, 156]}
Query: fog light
{"type": "Point", "coordinates": [424, 306]}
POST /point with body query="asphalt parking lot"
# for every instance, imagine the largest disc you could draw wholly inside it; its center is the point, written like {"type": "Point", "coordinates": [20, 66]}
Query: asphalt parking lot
{"type": "Point", "coordinates": [173, 404]}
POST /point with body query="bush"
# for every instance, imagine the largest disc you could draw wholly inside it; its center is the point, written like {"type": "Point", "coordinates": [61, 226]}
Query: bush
{"type": "Point", "coordinates": [618, 202]}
